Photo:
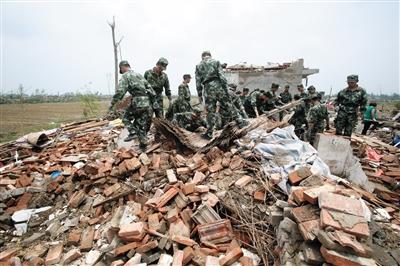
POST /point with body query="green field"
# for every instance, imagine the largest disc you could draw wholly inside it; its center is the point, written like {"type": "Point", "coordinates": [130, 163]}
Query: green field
{"type": "Point", "coordinates": [19, 119]}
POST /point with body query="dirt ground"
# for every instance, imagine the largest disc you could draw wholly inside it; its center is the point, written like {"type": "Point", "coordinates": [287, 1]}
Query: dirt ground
{"type": "Point", "coordinates": [17, 120]}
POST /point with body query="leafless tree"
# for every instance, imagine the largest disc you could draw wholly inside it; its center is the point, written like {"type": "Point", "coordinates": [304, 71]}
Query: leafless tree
{"type": "Point", "coordinates": [115, 47]}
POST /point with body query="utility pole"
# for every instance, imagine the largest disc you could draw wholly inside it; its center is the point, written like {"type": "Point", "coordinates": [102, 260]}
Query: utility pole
{"type": "Point", "coordinates": [115, 48]}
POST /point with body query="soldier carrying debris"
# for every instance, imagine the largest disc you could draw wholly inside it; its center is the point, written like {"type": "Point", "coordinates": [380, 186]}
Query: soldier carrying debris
{"type": "Point", "coordinates": [211, 80]}
{"type": "Point", "coordinates": [286, 97]}
{"type": "Point", "coordinates": [349, 102]}
{"type": "Point", "coordinates": [317, 118]}
{"type": "Point", "coordinates": [190, 120]}
{"type": "Point", "coordinates": [140, 109]}
{"type": "Point", "coordinates": [158, 80]}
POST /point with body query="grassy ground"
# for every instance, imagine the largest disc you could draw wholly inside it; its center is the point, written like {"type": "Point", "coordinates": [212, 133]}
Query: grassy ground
{"type": "Point", "coordinates": [17, 120]}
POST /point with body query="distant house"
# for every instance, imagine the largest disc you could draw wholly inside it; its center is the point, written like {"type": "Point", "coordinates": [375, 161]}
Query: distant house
{"type": "Point", "coordinates": [253, 77]}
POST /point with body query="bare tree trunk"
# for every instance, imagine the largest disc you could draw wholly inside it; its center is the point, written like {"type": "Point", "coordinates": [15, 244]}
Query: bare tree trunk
{"type": "Point", "coordinates": [115, 47]}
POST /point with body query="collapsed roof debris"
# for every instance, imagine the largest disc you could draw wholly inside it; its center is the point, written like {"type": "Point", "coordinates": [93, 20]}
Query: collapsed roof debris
{"type": "Point", "coordinates": [257, 196]}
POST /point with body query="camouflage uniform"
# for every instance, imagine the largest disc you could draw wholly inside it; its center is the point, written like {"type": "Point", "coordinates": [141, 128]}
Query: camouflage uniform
{"type": "Point", "coordinates": [210, 78]}
{"type": "Point", "coordinates": [140, 109]}
{"type": "Point", "coordinates": [190, 120]}
{"type": "Point", "coordinates": [317, 116]}
{"type": "Point", "coordinates": [252, 102]}
{"type": "Point", "coordinates": [286, 97]}
{"type": "Point", "coordinates": [184, 96]}
{"type": "Point", "coordinates": [349, 103]}
{"type": "Point", "coordinates": [159, 82]}
{"type": "Point", "coordinates": [299, 119]}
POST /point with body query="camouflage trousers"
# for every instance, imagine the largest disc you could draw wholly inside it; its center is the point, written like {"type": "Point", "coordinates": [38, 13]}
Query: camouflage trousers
{"type": "Point", "coordinates": [215, 93]}
{"type": "Point", "coordinates": [345, 123]}
{"type": "Point", "coordinates": [312, 132]}
{"type": "Point", "coordinates": [136, 120]}
{"type": "Point", "coordinates": [159, 112]}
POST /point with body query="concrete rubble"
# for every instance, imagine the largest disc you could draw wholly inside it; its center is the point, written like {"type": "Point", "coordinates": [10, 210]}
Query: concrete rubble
{"type": "Point", "coordinates": [83, 200]}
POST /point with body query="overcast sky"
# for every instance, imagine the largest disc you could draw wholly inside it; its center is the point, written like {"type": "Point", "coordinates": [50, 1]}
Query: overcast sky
{"type": "Point", "coordinates": [65, 46]}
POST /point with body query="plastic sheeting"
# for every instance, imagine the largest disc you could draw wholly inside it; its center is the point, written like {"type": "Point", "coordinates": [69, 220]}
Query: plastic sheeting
{"type": "Point", "coordinates": [283, 152]}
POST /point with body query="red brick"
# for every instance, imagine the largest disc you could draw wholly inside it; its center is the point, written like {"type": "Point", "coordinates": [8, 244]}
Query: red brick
{"type": "Point", "coordinates": [188, 255]}
{"type": "Point", "coordinates": [177, 258]}
{"type": "Point", "coordinates": [183, 171]}
{"type": "Point", "coordinates": [243, 181]}
{"type": "Point", "coordinates": [133, 229]}
{"type": "Point", "coordinates": [74, 237]}
{"type": "Point", "coordinates": [259, 195]}
{"type": "Point", "coordinates": [340, 221]}
{"type": "Point", "coordinates": [155, 162]}
{"type": "Point", "coordinates": [297, 194]}
{"type": "Point", "coordinates": [54, 254]}
{"type": "Point", "coordinates": [71, 255]}
{"type": "Point", "coordinates": [23, 201]}
{"type": "Point", "coordinates": [216, 232]}
{"type": "Point", "coordinates": [246, 261]}
{"type": "Point", "coordinates": [188, 188]}
{"type": "Point", "coordinates": [309, 229]}
{"type": "Point", "coordinates": [146, 247]}
{"type": "Point", "coordinates": [125, 248]}
{"type": "Point", "coordinates": [338, 258]}
{"type": "Point", "coordinates": [153, 221]}
{"type": "Point", "coordinates": [212, 261]}
{"type": "Point", "coordinates": [77, 198]}
{"type": "Point", "coordinates": [167, 196]}
{"type": "Point", "coordinates": [183, 240]}
{"type": "Point", "coordinates": [110, 190]}
{"type": "Point", "coordinates": [201, 188]}
{"type": "Point", "coordinates": [87, 239]}
{"type": "Point", "coordinates": [198, 177]}
{"type": "Point", "coordinates": [295, 178]}
{"type": "Point", "coordinates": [341, 203]}
{"type": "Point", "coordinates": [24, 181]}
{"type": "Point", "coordinates": [231, 257]}
{"type": "Point", "coordinates": [8, 253]}
{"type": "Point", "coordinates": [216, 166]}
{"type": "Point", "coordinates": [311, 195]}
{"type": "Point", "coordinates": [305, 213]}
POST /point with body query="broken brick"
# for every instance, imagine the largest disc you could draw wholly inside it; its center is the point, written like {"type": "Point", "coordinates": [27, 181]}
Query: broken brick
{"type": "Point", "coordinates": [243, 181]}
{"type": "Point", "coordinates": [201, 188]}
{"type": "Point", "coordinates": [166, 197]}
{"type": "Point", "coordinates": [341, 203]}
{"type": "Point", "coordinates": [339, 258]}
{"type": "Point", "coordinates": [183, 240]}
{"type": "Point", "coordinates": [7, 254]}
{"type": "Point", "coordinates": [188, 255]}
{"type": "Point", "coordinates": [311, 195]}
{"type": "Point", "coordinates": [146, 247]}
{"type": "Point", "coordinates": [231, 257]}
{"type": "Point", "coordinates": [125, 248]}
{"type": "Point", "coordinates": [71, 255]}
{"type": "Point", "coordinates": [87, 239]}
{"type": "Point", "coordinates": [309, 229]}
{"type": "Point", "coordinates": [171, 176]}
{"type": "Point", "coordinates": [305, 213]}
{"type": "Point", "coordinates": [74, 237]}
{"type": "Point", "coordinates": [54, 254]}
{"type": "Point", "coordinates": [188, 188]}
{"type": "Point", "coordinates": [198, 177]}
{"type": "Point", "coordinates": [133, 229]}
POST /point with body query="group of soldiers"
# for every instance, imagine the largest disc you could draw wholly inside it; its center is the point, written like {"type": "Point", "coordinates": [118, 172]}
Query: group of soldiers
{"type": "Point", "coordinates": [224, 103]}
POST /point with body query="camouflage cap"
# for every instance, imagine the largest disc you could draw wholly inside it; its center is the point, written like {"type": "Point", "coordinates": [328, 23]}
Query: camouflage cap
{"type": "Point", "coordinates": [315, 97]}
{"type": "Point", "coordinates": [352, 78]}
{"type": "Point", "coordinates": [300, 86]}
{"type": "Point", "coordinates": [205, 53]}
{"type": "Point", "coordinates": [124, 63]}
{"type": "Point", "coordinates": [196, 110]}
{"type": "Point", "coordinates": [274, 86]}
{"type": "Point", "coordinates": [287, 86]}
{"type": "Point", "coordinates": [311, 88]}
{"type": "Point", "coordinates": [162, 62]}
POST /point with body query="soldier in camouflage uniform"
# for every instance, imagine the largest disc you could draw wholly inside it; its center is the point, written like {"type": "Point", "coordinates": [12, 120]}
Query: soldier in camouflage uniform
{"type": "Point", "coordinates": [236, 101]}
{"type": "Point", "coordinates": [244, 95]}
{"type": "Point", "coordinates": [300, 88]}
{"type": "Point", "coordinates": [273, 92]}
{"type": "Point", "coordinates": [190, 120]}
{"type": "Point", "coordinates": [349, 101]}
{"type": "Point", "coordinates": [158, 80]}
{"type": "Point", "coordinates": [184, 93]}
{"type": "Point", "coordinates": [182, 103]}
{"type": "Point", "coordinates": [140, 110]}
{"type": "Point", "coordinates": [318, 118]}
{"type": "Point", "coordinates": [211, 80]}
{"type": "Point", "coordinates": [252, 103]}
{"type": "Point", "coordinates": [286, 97]}
{"type": "Point", "coordinates": [299, 117]}
{"type": "Point", "coordinates": [311, 92]}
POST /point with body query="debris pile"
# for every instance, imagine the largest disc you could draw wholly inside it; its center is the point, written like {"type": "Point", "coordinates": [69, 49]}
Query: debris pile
{"type": "Point", "coordinates": [81, 199]}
